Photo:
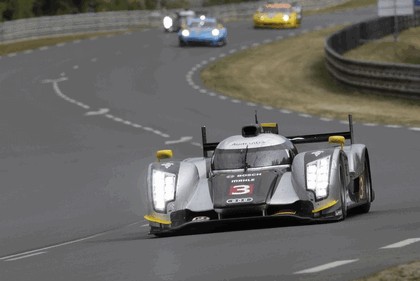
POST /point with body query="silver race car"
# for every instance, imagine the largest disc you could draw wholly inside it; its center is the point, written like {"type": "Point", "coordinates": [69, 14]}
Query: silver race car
{"type": "Point", "coordinates": [259, 175]}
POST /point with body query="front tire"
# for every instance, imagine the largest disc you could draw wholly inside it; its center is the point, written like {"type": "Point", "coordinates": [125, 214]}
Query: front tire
{"type": "Point", "coordinates": [343, 196]}
{"type": "Point", "coordinates": [365, 189]}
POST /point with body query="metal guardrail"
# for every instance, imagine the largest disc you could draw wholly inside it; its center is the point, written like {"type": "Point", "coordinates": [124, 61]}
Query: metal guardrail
{"type": "Point", "coordinates": [93, 22]}
{"type": "Point", "coordinates": [392, 78]}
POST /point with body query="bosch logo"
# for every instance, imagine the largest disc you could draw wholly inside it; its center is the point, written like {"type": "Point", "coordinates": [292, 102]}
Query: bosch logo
{"type": "Point", "coordinates": [240, 200]}
{"type": "Point", "coordinates": [249, 175]}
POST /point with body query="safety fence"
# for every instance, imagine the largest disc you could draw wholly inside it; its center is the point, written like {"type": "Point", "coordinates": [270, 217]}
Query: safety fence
{"type": "Point", "coordinates": [391, 78]}
{"type": "Point", "coordinates": [107, 21]}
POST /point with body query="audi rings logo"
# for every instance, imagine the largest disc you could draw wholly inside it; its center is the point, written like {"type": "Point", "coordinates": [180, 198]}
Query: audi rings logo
{"type": "Point", "coordinates": [240, 200]}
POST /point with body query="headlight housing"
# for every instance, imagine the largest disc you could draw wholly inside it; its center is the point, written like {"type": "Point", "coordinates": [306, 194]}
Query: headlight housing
{"type": "Point", "coordinates": [317, 176]}
{"type": "Point", "coordinates": [215, 32]}
{"type": "Point", "coordinates": [167, 22]}
{"type": "Point", "coordinates": [163, 189]}
{"type": "Point", "coordinates": [286, 17]}
{"type": "Point", "coordinates": [185, 33]}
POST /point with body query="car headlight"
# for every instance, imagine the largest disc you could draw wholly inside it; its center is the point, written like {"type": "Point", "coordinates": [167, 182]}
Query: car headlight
{"type": "Point", "coordinates": [215, 32]}
{"type": "Point", "coordinates": [317, 176]}
{"type": "Point", "coordinates": [185, 33]}
{"type": "Point", "coordinates": [286, 17]}
{"type": "Point", "coordinates": [167, 22]}
{"type": "Point", "coordinates": [163, 185]}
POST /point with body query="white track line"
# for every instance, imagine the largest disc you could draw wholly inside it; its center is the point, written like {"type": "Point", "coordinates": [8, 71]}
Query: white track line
{"type": "Point", "coordinates": [42, 250]}
{"type": "Point", "coordinates": [325, 266]}
{"type": "Point", "coordinates": [181, 140]}
{"type": "Point", "coordinates": [101, 111]}
{"type": "Point", "coordinates": [26, 256]}
{"type": "Point", "coordinates": [54, 246]}
{"type": "Point", "coordinates": [402, 243]}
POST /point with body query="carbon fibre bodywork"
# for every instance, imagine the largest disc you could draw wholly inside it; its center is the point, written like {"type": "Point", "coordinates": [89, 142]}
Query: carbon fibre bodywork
{"type": "Point", "coordinates": [260, 175]}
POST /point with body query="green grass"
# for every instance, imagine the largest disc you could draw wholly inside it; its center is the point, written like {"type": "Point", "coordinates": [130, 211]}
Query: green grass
{"type": "Point", "coordinates": [405, 50]}
{"type": "Point", "coordinates": [347, 5]}
{"type": "Point", "coordinates": [410, 271]}
{"type": "Point", "coordinates": [15, 47]}
{"type": "Point", "coordinates": [287, 74]}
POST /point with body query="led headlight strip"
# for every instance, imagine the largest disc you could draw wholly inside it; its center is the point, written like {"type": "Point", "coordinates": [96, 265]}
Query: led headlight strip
{"type": "Point", "coordinates": [317, 176]}
{"type": "Point", "coordinates": [163, 185]}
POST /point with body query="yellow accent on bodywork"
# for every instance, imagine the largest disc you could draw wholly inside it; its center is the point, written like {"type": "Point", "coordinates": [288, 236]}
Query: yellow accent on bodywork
{"type": "Point", "coordinates": [329, 205]}
{"type": "Point", "coordinates": [164, 154]}
{"type": "Point", "coordinates": [270, 128]}
{"type": "Point", "coordinates": [269, 125]}
{"type": "Point", "coordinates": [285, 213]}
{"type": "Point", "coordinates": [155, 219]}
{"type": "Point", "coordinates": [338, 140]}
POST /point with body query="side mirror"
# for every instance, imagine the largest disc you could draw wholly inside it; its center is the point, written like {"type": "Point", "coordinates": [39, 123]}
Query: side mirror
{"type": "Point", "coordinates": [337, 140]}
{"type": "Point", "coordinates": [164, 154]}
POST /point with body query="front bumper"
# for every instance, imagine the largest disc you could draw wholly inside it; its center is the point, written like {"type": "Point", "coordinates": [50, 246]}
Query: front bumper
{"type": "Point", "coordinates": [275, 24]}
{"type": "Point", "coordinates": [186, 221]}
{"type": "Point", "coordinates": [234, 224]}
{"type": "Point", "coordinates": [202, 40]}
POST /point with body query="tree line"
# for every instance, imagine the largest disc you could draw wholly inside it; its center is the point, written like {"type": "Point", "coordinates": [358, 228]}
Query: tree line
{"type": "Point", "coordinates": [18, 9]}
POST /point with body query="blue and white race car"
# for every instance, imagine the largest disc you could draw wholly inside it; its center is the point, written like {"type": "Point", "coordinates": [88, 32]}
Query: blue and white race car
{"type": "Point", "coordinates": [202, 31]}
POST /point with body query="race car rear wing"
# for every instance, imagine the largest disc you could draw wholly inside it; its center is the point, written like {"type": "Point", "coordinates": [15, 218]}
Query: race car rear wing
{"type": "Point", "coordinates": [324, 137]}
{"type": "Point", "coordinates": [211, 146]}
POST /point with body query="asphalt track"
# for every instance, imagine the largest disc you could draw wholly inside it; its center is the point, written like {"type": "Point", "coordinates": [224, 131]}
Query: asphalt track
{"type": "Point", "coordinates": [79, 124]}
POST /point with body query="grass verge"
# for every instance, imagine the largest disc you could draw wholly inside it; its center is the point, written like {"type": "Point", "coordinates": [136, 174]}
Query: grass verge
{"type": "Point", "coordinates": [20, 46]}
{"type": "Point", "coordinates": [405, 50]}
{"type": "Point", "coordinates": [289, 74]}
{"type": "Point", "coordinates": [410, 271]}
{"type": "Point", "coordinates": [352, 4]}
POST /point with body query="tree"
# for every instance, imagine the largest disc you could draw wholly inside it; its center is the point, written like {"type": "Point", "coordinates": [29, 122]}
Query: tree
{"type": "Point", "coordinates": [3, 7]}
{"type": "Point", "coordinates": [22, 8]}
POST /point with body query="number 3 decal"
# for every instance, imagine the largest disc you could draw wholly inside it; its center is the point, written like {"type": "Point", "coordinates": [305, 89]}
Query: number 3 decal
{"type": "Point", "coordinates": [241, 189]}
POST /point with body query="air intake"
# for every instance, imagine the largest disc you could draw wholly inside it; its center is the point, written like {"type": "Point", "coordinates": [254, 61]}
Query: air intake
{"type": "Point", "coordinates": [251, 131]}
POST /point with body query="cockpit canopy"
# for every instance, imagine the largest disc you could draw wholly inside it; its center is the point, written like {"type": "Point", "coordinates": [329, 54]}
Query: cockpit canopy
{"type": "Point", "coordinates": [264, 150]}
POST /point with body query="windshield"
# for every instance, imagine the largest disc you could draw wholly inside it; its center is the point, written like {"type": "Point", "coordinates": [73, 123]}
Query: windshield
{"type": "Point", "coordinates": [202, 24]}
{"type": "Point", "coordinates": [270, 10]}
{"type": "Point", "coordinates": [229, 159]}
